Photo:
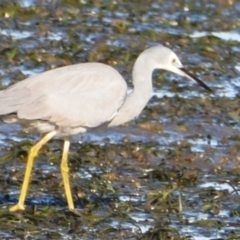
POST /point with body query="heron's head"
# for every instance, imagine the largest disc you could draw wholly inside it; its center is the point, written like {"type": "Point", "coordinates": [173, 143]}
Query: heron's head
{"type": "Point", "coordinates": [161, 57]}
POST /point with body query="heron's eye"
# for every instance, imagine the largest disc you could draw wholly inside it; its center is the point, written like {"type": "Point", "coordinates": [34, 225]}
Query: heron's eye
{"type": "Point", "coordinates": [174, 61]}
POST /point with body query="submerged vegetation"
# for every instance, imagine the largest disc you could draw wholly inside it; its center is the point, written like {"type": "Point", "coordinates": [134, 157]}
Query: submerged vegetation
{"type": "Point", "coordinates": [173, 173]}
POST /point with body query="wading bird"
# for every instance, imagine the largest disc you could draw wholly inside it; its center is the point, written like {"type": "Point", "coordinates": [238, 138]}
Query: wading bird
{"type": "Point", "coordinates": [74, 99]}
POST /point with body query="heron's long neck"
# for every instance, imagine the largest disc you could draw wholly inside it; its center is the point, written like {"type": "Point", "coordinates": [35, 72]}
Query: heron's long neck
{"type": "Point", "coordinates": [138, 98]}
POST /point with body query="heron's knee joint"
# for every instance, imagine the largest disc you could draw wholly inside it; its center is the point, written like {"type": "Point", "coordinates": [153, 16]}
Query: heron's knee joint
{"type": "Point", "coordinates": [33, 152]}
{"type": "Point", "coordinates": [64, 168]}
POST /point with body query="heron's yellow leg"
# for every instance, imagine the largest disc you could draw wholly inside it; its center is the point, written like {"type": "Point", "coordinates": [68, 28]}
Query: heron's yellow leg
{"type": "Point", "coordinates": [65, 175]}
{"type": "Point", "coordinates": [31, 155]}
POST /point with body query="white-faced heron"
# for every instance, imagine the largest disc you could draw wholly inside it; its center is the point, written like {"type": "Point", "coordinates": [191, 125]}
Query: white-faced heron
{"type": "Point", "coordinates": [73, 99]}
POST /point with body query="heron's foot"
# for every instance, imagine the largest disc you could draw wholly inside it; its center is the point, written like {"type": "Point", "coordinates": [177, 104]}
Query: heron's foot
{"type": "Point", "coordinates": [17, 207]}
{"type": "Point", "coordinates": [76, 212]}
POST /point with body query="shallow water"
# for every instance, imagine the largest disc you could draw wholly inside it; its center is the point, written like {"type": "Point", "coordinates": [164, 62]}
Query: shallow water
{"type": "Point", "coordinates": [171, 173]}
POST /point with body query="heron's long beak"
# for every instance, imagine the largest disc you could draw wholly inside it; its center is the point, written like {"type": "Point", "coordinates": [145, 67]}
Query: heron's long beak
{"type": "Point", "coordinates": [185, 73]}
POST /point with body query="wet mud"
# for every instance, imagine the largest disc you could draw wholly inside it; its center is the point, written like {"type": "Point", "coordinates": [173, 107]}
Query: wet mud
{"type": "Point", "coordinates": [172, 173]}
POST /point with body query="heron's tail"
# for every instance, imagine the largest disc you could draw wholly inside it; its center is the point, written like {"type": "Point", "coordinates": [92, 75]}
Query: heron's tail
{"type": "Point", "coordinates": [9, 102]}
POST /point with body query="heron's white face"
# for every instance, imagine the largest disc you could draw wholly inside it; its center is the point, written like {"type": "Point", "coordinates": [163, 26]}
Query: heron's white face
{"type": "Point", "coordinates": [160, 57]}
{"type": "Point", "coordinates": [173, 64]}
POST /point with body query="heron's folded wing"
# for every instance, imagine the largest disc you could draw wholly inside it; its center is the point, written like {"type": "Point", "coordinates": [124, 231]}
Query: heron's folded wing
{"type": "Point", "coordinates": [78, 95]}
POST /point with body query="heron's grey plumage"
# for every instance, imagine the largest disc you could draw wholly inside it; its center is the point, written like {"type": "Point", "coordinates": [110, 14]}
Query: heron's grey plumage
{"type": "Point", "coordinates": [81, 93]}
{"type": "Point", "coordinates": [75, 98]}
